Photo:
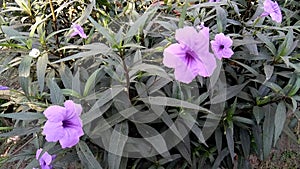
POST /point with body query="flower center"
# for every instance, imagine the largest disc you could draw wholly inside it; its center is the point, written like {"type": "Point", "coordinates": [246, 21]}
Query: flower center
{"type": "Point", "coordinates": [66, 123]}
{"type": "Point", "coordinates": [221, 47]}
{"type": "Point", "coordinates": [189, 57]}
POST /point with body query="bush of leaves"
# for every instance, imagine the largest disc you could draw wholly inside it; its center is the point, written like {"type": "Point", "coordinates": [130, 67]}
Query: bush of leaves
{"type": "Point", "coordinates": [135, 114]}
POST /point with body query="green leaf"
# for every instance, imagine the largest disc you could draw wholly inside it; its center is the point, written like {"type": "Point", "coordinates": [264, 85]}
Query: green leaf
{"type": "Point", "coordinates": [13, 34]}
{"type": "Point", "coordinates": [56, 95]}
{"type": "Point", "coordinates": [286, 45]}
{"type": "Point", "coordinates": [268, 69]}
{"type": "Point", "coordinates": [33, 164]}
{"type": "Point", "coordinates": [280, 117]}
{"type": "Point", "coordinates": [24, 74]}
{"type": "Point", "coordinates": [192, 125]}
{"type": "Point", "coordinates": [91, 82]}
{"type": "Point", "coordinates": [250, 69]}
{"type": "Point", "coordinates": [86, 13]}
{"type": "Point", "coordinates": [230, 92]}
{"type": "Point", "coordinates": [66, 75]}
{"type": "Point", "coordinates": [25, 6]}
{"type": "Point", "coordinates": [139, 24]}
{"type": "Point", "coordinates": [169, 122]}
{"type": "Point", "coordinates": [221, 19]}
{"type": "Point", "coordinates": [117, 143]}
{"type": "Point", "coordinates": [268, 130]}
{"type": "Point", "coordinates": [220, 158]}
{"type": "Point", "coordinates": [167, 101]}
{"type": "Point", "coordinates": [70, 92]}
{"type": "Point", "coordinates": [104, 124]}
{"type": "Point", "coordinates": [102, 99]}
{"type": "Point", "coordinates": [157, 84]}
{"type": "Point", "coordinates": [86, 156]}
{"type": "Point", "coordinates": [252, 47]}
{"type": "Point", "coordinates": [294, 84]}
{"type": "Point", "coordinates": [230, 142]}
{"type": "Point", "coordinates": [242, 120]}
{"type": "Point", "coordinates": [93, 49]}
{"type": "Point", "coordinates": [154, 138]}
{"type": "Point", "coordinates": [23, 116]}
{"type": "Point", "coordinates": [151, 69]}
{"type": "Point", "coordinates": [184, 152]}
{"type": "Point", "coordinates": [104, 32]}
{"type": "Point", "coordinates": [267, 41]}
{"type": "Point", "coordinates": [41, 66]}
{"type": "Point", "coordinates": [245, 142]}
{"type": "Point", "coordinates": [20, 132]}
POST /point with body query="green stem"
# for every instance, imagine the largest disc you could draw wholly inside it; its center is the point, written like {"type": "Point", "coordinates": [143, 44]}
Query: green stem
{"type": "Point", "coordinates": [183, 14]}
{"type": "Point", "coordinates": [54, 21]}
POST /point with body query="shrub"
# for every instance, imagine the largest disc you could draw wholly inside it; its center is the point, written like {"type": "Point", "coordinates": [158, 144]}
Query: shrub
{"type": "Point", "coordinates": [152, 84]}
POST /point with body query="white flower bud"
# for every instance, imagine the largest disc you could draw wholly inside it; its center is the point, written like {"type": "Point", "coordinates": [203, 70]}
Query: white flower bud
{"type": "Point", "coordinates": [34, 53]}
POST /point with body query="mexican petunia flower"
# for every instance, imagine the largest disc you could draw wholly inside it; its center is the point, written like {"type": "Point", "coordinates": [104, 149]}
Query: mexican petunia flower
{"type": "Point", "coordinates": [214, 0]}
{"type": "Point", "coordinates": [45, 160]}
{"type": "Point", "coordinates": [221, 46]}
{"type": "Point", "coordinates": [4, 88]}
{"type": "Point", "coordinates": [78, 30]}
{"type": "Point", "coordinates": [272, 9]}
{"type": "Point", "coordinates": [190, 56]}
{"type": "Point", "coordinates": [63, 124]}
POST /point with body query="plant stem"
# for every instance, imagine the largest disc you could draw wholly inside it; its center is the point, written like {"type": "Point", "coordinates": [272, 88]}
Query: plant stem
{"type": "Point", "coordinates": [183, 14]}
{"type": "Point", "coordinates": [127, 77]}
{"type": "Point", "coordinates": [54, 21]}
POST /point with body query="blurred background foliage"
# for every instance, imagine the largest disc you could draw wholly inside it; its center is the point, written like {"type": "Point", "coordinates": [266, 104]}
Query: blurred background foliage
{"type": "Point", "coordinates": [119, 66]}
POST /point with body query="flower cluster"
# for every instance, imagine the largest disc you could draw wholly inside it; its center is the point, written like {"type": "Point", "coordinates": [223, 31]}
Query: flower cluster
{"type": "Point", "coordinates": [191, 56]}
{"type": "Point", "coordinates": [63, 124]}
{"type": "Point", "coordinates": [221, 46]}
{"type": "Point", "coordinates": [45, 160]}
{"type": "Point", "coordinates": [78, 30]}
{"type": "Point", "coordinates": [4, 88]}
{"type": "Point", "coordinates": [272, 9]}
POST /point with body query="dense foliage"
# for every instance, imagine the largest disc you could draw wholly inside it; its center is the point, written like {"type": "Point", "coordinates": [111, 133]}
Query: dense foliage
{"type": "Point", "coordinates": [110, 80]}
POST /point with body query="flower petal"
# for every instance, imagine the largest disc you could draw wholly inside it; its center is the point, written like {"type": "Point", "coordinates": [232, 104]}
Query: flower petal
{"type": "Point", "coordinates": [82, 35]}
{"type": "Point", "coordinates": [265, 14]}
{"type": "Point", "coordinates": [172, 55]}
{"type": "Point", "coordinates": [53, 131]}
{"type": "Point", "coordinates": [72, 109]}
{"type": "Point", "coordinates": [227, 53]}
{"type": "Point", "coordinates": [55, 113]}
{"type": "Point", "coordinates": [78, 30]}
{"type": "Point", "coordinates": [71, 137]}
{"type": "Point", "coordinates": [73, 122]}
{"type": "Point", "coordinates": [47, 158]}
{"type": "Point", "coordinates": [38, 152]}
{"type": "Point", "coordinates": [74, 34]}
{"type": "Point", "coordinates": [276, 17]}
{"type": "Point", "coordinates": [184, 74]}
{"type": "Point", "coordinates": [187, 36]}
{"type": "Point", "coordinates": [268, 6]}
{"type": "Point", "coordinates": [227, 42]}
{"type": "Point", "coordinates": [207, 64]}
{"type": "Point", "coordinates": [4, 88]}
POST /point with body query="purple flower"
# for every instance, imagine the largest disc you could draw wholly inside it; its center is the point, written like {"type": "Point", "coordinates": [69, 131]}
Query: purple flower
{"type": "Point", "coordinates": [45, 160]}
{"type": "Point", "coordinates": [78, 30]}
{"type": "Point", "coordinates": [190, 56]}
{"type": "Point", "coordinates": [221, 46]}
{"type": "Point", "coordinates": [4, 88]}
{"type": "Point", "coordinates": [214, 0]}
{"type": "Point", "coordinates": [63, 124]}
{"type": "Point", "coordinates": [272, 9]}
